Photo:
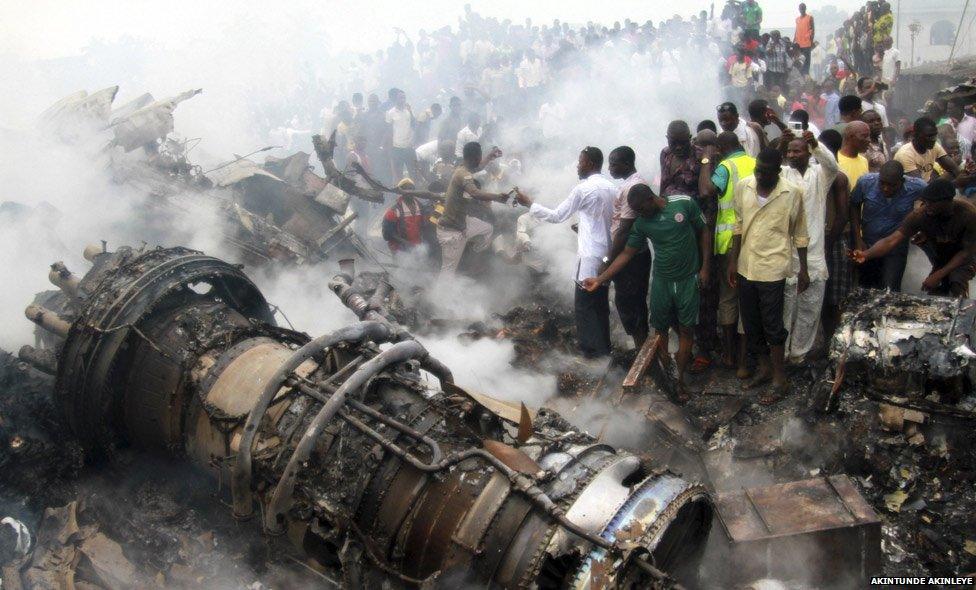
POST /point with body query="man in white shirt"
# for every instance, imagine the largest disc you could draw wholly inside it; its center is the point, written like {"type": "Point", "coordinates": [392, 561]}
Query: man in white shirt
{"type": "Point", "coordinates": [728, 118]}
{"type": "Point", "coordinates": [593, 200]}
{"type": "Point", "coordinates": [401, 121]}
{"type": "Point", "coordinates": [552, 118]}
{"type": "Point", "coordinates": [530, 71]}
{"type": "Point", "coordinates": [468, 133]}
{"type": "Point", "coordinates": [870, 99]}
{"type": "Point", "coordinates": [890, 63]}
{"type": "Point", "coordinates": [801, 312]}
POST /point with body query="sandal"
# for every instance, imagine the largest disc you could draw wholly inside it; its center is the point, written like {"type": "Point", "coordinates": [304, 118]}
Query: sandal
{"type": "Point", "coordinates": [774, 394]}
{"type": "Point", "coordinates": [699, 365]}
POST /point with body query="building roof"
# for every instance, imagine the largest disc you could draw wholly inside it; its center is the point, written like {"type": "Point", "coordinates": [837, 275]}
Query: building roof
{"type": "Point", "coordinates": [962, 68]}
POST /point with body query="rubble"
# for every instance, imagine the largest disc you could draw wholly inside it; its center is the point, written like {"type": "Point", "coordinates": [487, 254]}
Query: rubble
{"type": "Point", "coordinates": [277, 211]}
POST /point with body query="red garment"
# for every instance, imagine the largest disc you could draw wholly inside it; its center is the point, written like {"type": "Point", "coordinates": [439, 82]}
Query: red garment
{"type": "Point", "coordinates": [404, 223]}
{"type": "Point", "coordinates": [804, 31]}
{"type": "Point", "coordinates": [734, 58]}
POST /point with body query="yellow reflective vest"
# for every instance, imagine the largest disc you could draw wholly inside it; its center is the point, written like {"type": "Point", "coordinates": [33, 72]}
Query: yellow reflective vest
{"type": "Point", "coordinates": [740, 165]}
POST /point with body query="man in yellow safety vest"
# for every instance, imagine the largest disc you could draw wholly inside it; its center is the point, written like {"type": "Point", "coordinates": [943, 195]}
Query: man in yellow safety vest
{"type": "Point", "coordinates": [724, 165]}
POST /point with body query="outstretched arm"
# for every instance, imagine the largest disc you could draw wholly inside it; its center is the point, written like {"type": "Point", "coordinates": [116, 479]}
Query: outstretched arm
{"type": "Point", "coordinates": [592, 284]}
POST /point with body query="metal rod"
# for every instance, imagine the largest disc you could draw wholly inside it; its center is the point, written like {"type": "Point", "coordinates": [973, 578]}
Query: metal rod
{"type": "Point", "coordinates": [63, 279]}
{"type": "Point", "coordinates": [520, 482]}
{"type": "Point", "coordinates": [435, 449]}
{"type": "Point", "coordinates": [338, 228]}
{"type": "Point", "coordinates": [47, 319]}
{"type": "Point", "coordinates": [282, 496]}
{"type": "Point", "coordinates": [952, 52]}
{"type": "Point", "coordinates": [241, 475]}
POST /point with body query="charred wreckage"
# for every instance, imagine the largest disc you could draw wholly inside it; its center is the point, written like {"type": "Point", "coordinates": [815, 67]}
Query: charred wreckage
{"type": "Point", "coordinates": [359, 448]}
{"type": "Point", "coordinates": [342, 443]}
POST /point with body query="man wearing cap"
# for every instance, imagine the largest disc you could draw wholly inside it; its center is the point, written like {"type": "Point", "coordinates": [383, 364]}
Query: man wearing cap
{"type": "Point", "coordinates": [403, 222]}
{"type": "Point", "coordinates": [945, 228]}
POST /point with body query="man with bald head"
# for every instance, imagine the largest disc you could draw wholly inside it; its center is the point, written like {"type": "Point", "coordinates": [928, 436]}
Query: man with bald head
{"type": "Point", "coordinates": [850, 158]}
{"type": "Point", "coordinates": [880, 202]}
{"type": "Point", "coordinates": [946, 227]}
{"type": "Point", "coordinates": [718, 182]}
{"type": "Point", "coordinates": [681, 163]}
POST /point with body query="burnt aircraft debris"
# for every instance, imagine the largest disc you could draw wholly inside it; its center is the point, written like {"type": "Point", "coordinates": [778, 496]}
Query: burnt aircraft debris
{"type": "Point", "coordinates": [279, 210]}
{"type": "Point", "coordinates": [912, 351]}
{"type": "Point", "coordinates": [346, 447]}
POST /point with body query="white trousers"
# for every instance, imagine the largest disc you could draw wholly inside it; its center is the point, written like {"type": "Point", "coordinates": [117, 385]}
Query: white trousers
{"type": "Point", "coordinates": [801, 316]}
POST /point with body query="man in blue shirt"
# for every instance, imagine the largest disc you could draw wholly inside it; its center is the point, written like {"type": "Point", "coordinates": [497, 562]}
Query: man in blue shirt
{"type": "Point", "coordinates": [879, 204]}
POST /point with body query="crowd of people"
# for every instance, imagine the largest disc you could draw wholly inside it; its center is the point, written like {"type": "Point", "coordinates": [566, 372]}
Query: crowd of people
{"type": "Point", "coordinates": [755, 230]}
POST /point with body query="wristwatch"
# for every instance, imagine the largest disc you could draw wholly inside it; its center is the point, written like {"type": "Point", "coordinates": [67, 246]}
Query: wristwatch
{"type": "Point", "coordinates": [606, 260]}
{"type": "Point", "coordinates": [705, 161]}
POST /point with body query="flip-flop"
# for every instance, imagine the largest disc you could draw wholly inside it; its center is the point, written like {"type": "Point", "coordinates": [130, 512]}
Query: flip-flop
{"type": "Point", "coordinates": [699, 365]}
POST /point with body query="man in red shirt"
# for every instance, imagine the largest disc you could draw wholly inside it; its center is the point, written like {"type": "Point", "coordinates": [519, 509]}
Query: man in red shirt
{"type": "Point", "coordinates": [403, 221]}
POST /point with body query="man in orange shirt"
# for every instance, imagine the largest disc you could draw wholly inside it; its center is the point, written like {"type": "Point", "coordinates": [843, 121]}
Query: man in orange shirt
{"type": "Point", "coordinates": [804, 37]}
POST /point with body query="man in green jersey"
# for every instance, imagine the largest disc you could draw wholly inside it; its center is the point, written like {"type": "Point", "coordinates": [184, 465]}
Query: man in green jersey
{"type": "Point", "coordinates": [682, 243]}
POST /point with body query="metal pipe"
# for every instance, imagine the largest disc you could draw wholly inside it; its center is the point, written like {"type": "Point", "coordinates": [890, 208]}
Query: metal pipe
{"type": "Point", "coordinates": [64, 279]}
{"type": "Point", "coordinates": [281, 499]}
{"type": "Point", "coordinates": [520, 482]}
{"type": "Point", "coordinates": [241, 475]}
{"type": "Point", "coordinates": [341, 285]}
{"type": "Point", "coordinates": [43, 360]}
{"type": "Point", "coordinates": [48, 320]}
{"type": "Point", "coordinates": [435, 448]}
{"type": "Point", "coordinates": [382, 290]}
{"type": "Point", "coordinates": [93, 250]}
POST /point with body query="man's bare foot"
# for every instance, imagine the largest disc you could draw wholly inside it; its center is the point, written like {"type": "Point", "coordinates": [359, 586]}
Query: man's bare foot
{"type": "Point", "coordinates": [762, 376]}
{"type": "Point", "coordinates": [743, 373]}
{"type": "Point", "coordinates": [681, 396]}
{"type": "Point", "coordinates": [775, 393]}
{"type": "Point", "coordinates": [699, 365]}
